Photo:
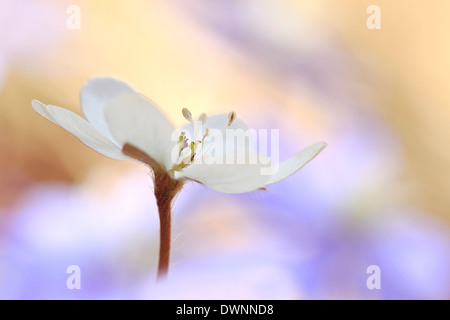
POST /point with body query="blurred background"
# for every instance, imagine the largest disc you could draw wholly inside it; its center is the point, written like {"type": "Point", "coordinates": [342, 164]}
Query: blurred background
{"type": "Point", "coordinates": [377, 195]}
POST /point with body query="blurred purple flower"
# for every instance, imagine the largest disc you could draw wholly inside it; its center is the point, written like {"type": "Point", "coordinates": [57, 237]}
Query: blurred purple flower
{"type": "Point", "coordinates": [58, 226]}
{"type": "Point", "coordinates": [247, 275]}
{"type": "Point", "coordinates": [413, 252]}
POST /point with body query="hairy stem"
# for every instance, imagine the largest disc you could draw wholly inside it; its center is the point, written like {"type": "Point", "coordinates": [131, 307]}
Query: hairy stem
{"type": "Point", "coordinates": [164, 201]}
{"type": "Point", "coordinates": [166, 188]}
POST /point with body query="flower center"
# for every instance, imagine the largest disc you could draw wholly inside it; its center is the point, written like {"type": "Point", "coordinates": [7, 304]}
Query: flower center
{"type": "Point", "coordinates": [189, 150]}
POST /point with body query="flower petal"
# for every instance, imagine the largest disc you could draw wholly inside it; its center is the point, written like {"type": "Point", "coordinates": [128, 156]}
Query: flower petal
{"type": "Point", "coordinates": [296, 162]}
{"type": "Point", "coordinates": [80, 128]}
{"type": "Point", "coordinates": [227, 178]}
{"type": "Point", "coordinates": [133, 119]}
{"type": "Point", "coordinates": [94, 96]}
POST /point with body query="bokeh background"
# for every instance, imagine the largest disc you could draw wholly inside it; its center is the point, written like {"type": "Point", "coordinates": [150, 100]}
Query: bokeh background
{"type": "Point", "coordinates": [377, 195]}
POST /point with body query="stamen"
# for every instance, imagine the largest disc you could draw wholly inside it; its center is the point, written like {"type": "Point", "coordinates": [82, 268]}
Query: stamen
{"type": "Point", "coordinates": [202, 118]}
{"type": "Point", "coordinates": [207, 134]}
{"type": "Point", "coordinates": [231, 117]}
{"type": "Point", "coordinates": [187, 114]}
{"type": "Point", "coordinates": [188, 149]}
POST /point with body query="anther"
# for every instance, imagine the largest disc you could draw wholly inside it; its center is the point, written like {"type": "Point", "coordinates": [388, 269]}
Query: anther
{"type": "Point", "coordinates": [202, 118]}
{"type": "Point", "coordinates": [187, 115]}
{"type": "Point", "coordinates": [231, 117]}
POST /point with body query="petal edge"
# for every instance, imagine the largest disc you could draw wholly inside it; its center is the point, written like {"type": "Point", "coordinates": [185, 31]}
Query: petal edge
{"type": "Point", "coordinates": [296, 162]}
{"type": "Point", "coordinates": [80, 128]}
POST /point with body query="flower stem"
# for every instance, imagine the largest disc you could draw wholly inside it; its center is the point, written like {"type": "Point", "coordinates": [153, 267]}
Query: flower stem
{"type": "Point", "coordinates": [165, 221]}
{"type": "Point", "coordinates": [166, 188]}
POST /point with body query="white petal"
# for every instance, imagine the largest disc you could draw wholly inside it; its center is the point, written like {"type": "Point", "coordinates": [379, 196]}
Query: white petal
{"type": "Point", "coordinates": [80, 128]}
{"type": "Point", "coordinates": [94, 96]}
{"type": "Point", "coordinates": [296, 162]}
{"type": "Point", "coordinates": [133, 119]}
{"type": "Point", "coordinates": [227, 178]}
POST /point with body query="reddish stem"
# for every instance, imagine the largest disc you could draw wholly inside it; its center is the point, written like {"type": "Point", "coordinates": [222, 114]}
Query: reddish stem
{"type": "Point", "coordinates": [166, 188]}
{"type": "Point", "coordinates": [164, 202]}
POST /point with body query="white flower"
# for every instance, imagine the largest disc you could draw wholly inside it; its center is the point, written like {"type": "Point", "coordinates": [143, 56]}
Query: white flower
{"type": "Point", "coordinates": [122, 124]}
